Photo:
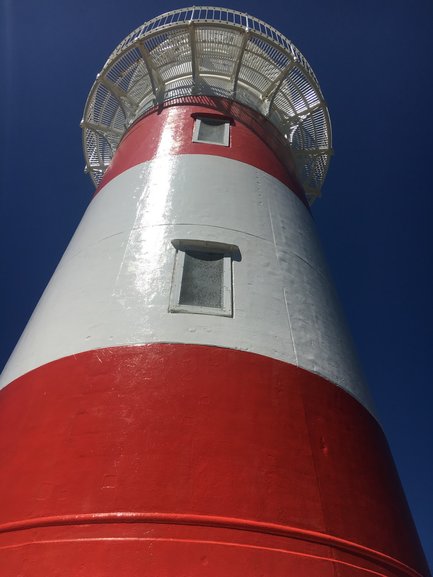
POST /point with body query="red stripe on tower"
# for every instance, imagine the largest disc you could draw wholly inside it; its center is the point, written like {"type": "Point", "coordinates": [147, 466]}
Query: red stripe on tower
{"type": "Point", "coordinates": [173, 448]}
{"type": "Point", "coordinates": [185, 398]}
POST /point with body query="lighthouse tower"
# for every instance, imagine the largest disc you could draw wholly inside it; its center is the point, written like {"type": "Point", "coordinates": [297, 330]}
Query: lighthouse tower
{"type": "Point", "coordinates": [185, 401]}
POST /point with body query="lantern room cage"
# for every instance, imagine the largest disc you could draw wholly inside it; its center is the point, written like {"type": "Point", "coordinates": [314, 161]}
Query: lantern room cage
{"type": "Point", "coordinates": [211, 52]}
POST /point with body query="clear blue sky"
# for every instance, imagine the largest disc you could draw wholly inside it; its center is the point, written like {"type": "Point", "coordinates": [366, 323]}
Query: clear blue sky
{"type": "Point", "coordinates": [374, 63]}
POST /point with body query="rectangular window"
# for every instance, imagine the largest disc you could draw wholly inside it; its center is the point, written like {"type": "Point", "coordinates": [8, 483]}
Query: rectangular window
{"type": "Point", "coordinates": [212, 130]}
{"type": "Point", "coordinates": [202, 278]}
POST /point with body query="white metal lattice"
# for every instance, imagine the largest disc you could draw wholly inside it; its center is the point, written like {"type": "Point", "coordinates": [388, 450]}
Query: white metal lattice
{"type": "Point", "coordinates": [210, 51]}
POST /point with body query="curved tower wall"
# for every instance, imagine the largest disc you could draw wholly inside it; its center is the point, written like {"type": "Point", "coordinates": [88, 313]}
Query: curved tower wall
{"type": "Point", "coordinates": [235, 440]}
{"type": "Point", "coordinates": [185, 398]}
{"type": "Point", "coordinates": [113, 285]}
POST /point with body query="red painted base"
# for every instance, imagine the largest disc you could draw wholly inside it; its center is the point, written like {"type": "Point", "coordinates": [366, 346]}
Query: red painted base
{"type": "Point", "coordinates": [180, 461]}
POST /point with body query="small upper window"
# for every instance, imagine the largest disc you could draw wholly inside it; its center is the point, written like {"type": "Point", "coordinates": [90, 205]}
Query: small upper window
{"type": "Point", "coordinates": [202, 279]}
{"type": "Point", "coordinates": [212, 130]}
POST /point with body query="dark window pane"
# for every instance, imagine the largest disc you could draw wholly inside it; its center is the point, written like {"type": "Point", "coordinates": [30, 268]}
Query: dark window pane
{"type": "Point", "coordinates": [202, 279]}
{"type": "Point", "coordinates": [211, 130]}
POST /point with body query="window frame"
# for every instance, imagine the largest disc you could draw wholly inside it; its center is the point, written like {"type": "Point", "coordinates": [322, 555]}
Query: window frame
{"type": "Point", "coordinates": [220, 119]}
{"type": "Point", "coordinates": [227, 251]}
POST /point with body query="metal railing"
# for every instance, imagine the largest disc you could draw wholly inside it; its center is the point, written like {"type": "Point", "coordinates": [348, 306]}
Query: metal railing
{"type": "Point", "coordinates": [217, 52]}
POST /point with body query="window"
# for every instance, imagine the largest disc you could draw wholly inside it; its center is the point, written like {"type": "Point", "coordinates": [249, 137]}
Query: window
{"type": "Point", "coordinates": [212, 130]}
{"type": "Point", "coordinates": [202, 278]}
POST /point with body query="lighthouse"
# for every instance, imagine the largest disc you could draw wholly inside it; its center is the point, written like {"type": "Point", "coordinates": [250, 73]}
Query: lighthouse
{"type": "Point", "coordinates": [185, 399]}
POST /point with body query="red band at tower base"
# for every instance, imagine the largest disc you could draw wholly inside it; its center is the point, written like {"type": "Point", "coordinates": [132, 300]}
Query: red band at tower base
{"type": "Point", "coordinates": [182, 460]}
